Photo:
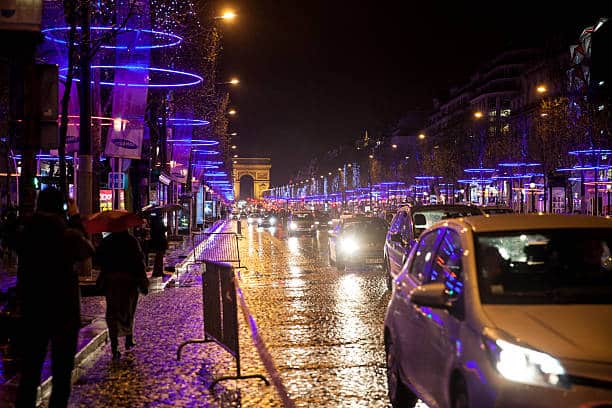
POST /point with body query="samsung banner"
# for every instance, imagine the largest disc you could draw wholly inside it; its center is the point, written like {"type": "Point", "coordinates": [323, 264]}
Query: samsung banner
{"type": "Point", "coordinates": [125, 143]}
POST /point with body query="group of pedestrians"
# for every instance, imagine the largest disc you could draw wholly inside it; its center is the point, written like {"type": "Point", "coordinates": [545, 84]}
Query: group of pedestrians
{"type": "Point", "coordinates": [49, 246]}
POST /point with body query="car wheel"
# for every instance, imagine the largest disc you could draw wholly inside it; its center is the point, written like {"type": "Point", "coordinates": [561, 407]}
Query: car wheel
{"type": "Point", "coordinates": [331, 263]}
{"type": "Point", "coordinates": [399, 394]}
{"type": "Point", "coordinates": [459, 394]}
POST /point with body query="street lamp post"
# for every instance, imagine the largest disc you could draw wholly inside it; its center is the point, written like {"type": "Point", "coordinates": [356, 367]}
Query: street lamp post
{"type": "Point", "coordinates": [532, 187]}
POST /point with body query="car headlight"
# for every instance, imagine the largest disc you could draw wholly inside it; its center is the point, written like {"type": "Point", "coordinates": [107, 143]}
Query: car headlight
{"type": "Point", "coordinates": [316, 222]}
{"type": "Point", "coordinates": [524, 365]}
{"type": "Point", "coordinates": [330, 222]}
{"type": "Point", "coordinates": [259, 220]}
{"type": "Point", "coordinates": [272, 220]}
{"type": "Point", "coordinates": [293, 225]}
{"type": "Point", "coordinates": [348, 245]}
{"type": "Point", "coordinates": [249, 219]}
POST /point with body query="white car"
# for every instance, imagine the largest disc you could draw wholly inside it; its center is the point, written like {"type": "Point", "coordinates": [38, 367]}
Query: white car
{"type": "Point", "coordinates": [504, 311]}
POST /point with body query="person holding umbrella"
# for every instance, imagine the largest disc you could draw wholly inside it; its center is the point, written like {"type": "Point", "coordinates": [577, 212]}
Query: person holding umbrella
{"type": "Point", "coordinates": [122, 274]}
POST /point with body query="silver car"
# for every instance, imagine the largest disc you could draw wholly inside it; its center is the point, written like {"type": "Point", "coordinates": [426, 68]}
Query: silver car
{"type": "Point", "coordinates": [504, 311]}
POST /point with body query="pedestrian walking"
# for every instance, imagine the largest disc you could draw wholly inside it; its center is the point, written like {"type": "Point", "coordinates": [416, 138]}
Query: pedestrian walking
{"type": "Point", "coordinates": [158, 243]}
{"type": "Point", "coordinates": [122, 277]}
{"type": "Point", "coordinates": [48, 245]}
{"type": "Point", "coordinates": [8, 237]}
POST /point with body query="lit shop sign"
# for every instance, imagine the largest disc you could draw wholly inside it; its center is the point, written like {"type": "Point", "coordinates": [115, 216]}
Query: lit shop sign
{"type": "Point", "coordinates": [164, 180]}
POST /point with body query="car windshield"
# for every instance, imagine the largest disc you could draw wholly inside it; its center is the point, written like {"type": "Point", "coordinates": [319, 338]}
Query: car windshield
{"type": "Point", "coordinates": [366, 226]}
{"type": "Point", "coordinates": [303, 217]}
{"type": "Point", "coordinates": [498, 210]}
{"type": "Point", "coordinates": [545, 267]}
{"type": "Point", "coordinates": [431, 216]}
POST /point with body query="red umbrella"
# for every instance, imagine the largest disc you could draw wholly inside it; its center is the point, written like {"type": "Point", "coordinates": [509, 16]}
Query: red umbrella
{"type": "Point", "coordinates": [112, 221]}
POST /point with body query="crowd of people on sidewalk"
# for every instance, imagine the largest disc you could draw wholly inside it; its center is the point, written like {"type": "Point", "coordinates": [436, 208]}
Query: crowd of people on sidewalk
{"type": "Point", "coordinates": [48, 248]}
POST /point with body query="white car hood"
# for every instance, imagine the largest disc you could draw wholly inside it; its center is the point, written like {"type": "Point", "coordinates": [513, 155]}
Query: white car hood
{"type": "Point", "coordinates": [574, 332]}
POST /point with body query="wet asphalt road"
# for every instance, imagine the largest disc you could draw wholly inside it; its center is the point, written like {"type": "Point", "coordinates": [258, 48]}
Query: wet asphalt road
{"type": "Point", "coordinates": [323, 326]}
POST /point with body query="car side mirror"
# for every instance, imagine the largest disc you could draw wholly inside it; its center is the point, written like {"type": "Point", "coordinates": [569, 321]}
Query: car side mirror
{"type": "Point", "coordinates": [396, 238]}
{"type": "Point", "coordinates": [431, 294]}
{"type": "Point", "coordinates": [419, 220]}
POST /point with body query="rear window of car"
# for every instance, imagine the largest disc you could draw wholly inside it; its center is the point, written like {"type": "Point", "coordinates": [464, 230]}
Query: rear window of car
{"type": "Point", "coordinates": [368, 226]}
{"type": "Point", "coordinates": [303, 217]}
{"type": "Point", "coordinates": [433, 216]}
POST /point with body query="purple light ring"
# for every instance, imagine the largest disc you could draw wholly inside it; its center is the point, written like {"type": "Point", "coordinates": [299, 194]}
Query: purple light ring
{"type": "Point", "coordinates": [515, 177]}
{"type": "Point", "coordinates": [590, 152]}
{"type": "Point", "coordinates": [578, 179]}
{"type": "Point", "coordinates": [198, 79]}
{"type": "Point", "coordinates": [519, 164]}
{"type": "Point", "coordinates": [206, 166]}
{"type": "Point", "coordinates": [199, 142]}
{"type": "Point", "coordinates": [187, 122]}
{"type": "Point", "coordinates": [586, 168]}
{"type": "Point", "coordinates": [173, 38]}
{"type": "Point", "coordinates": [475, 181]}
{"type": "Point", "coordinates": [481, 170]}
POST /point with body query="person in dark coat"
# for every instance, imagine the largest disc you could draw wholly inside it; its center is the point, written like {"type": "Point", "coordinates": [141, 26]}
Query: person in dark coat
{"type": "Point", "coordinates": [48, 246]}
{"type": "Point", "coordinates": [122, 276]}
{"type": "Point", "coordinates": [158, 243]}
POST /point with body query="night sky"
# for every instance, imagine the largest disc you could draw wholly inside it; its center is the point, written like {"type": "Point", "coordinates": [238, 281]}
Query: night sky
{"type": "Point", "coordinates": [316, 74]}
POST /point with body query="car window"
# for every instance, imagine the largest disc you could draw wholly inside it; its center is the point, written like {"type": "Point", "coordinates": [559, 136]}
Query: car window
{"type": "Point", "coordinates": [421, 262]}
{"type": "Point", "coordinates": [397, 221]}
{"type": "Point", "coordinates": [405, 229]}
{"type": "Point", "coordinates": [448, 266]}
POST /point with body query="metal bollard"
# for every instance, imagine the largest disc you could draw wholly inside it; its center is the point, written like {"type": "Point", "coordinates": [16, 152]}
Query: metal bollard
{"type": "Point", "coordinates": [239, 227]}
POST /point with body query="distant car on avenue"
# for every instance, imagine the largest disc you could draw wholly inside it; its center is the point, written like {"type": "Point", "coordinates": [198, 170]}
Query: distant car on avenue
{"type": "Point", "coordinates": [408, 224]}
{"type": "Point", "coordinates": [357, 241]}
{"type": "Point", "coordinates": [302, 222]}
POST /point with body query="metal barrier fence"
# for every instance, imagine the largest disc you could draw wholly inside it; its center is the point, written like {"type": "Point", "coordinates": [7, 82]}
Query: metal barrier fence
{"type": "Point", "coordinates": [216, 247]}
{"type": "Point", "coordinates": [220, 309]}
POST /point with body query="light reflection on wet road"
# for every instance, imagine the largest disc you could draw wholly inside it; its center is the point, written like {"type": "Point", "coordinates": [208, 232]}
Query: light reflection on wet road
{"type": "Point", "coordinates": [323, 327]}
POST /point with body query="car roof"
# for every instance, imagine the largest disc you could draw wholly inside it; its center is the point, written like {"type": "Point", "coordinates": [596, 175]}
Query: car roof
{"type": "Point", "coordinates": [434, 207]}
{"type": "Point", "coordinates": [518, 222]}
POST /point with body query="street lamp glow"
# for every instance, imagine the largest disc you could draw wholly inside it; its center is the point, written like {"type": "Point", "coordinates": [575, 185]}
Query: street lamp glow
{"type": "Point", "coordinates": [117, 124]}
{"type": "Point", "coordinates": [228, 15]}
{"type": "Point", "coordinates": [234, 146]}
{"type": "Point", "coordinates": [541, 89]}
{"type": "Point", "coordinates": [394, 146]}
{"type": "Point", "coordinates": [478, 114]}
{"type": "Point", "coordinates": [234, 134]}
{"type": "Point", "coordinates": [349, 165]}
{"type": "Point", "coordinates": [232, 112]}
{"type": "Point", "coordinates": [234, 81]}
{"type": "Point", "coordinates": [371, 156]}
{"type": "Point", "coordinates": [421, 136]}
{"type": "Point", "coordinates": [235, 156]}
{"type": "Point", "coordinates": [329, 173]}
